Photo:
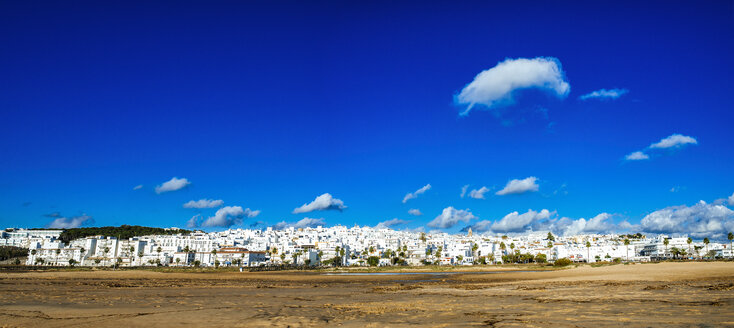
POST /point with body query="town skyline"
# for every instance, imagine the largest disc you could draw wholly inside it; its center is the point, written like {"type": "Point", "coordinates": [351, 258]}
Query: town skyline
{"type": "Point", "coordinates": [576, 118]}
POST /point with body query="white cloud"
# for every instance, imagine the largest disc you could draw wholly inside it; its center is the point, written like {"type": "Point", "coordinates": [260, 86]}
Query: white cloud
{"type": "Point", "coordinates": [415, 194]}
{"type": "Point", "coordinates": [636, 156]}
{"type": "Point", "coordinates": [68, 223]}
{"type": "Point", "coordinates": [674, 140]}
{"type": "Point", "coordinates": [478, 193]}
{"type": "Point", "coordinates": [390, 223]}
{"type": "Point", "coordinates": [415, 212]}
{"type": "Point", "coordinates": [700, 220]}
{"type": "Point", "coordinates": [450, 216]}
{"type": "Point", "coordinates": [303, 223]}
{"type": "Point", "coordinates": [604, 94]}
{"type": "Point", "coordinates": [463, 190]}
{"type": "Point", "coordinates": [172, 185]}
{"type": "Point", "coordinates": [204, 203]}
{"type": "Point", "coordinates": [138, 187]}
{"type": "Point", "coordinates": [496, 86]}
{"type": "Point", "coordinates": [321, 203]}
{"type": "Point", "coordinates": [193, 222]}
{"type": "Point", "coordinates": [516, 186]}
{"type": "Point", "coordinates": [228, 216]}
{"type": "Point", "coordinates": [516, 222]}
{"type": "Point", "coordinates": [597, 224]}
{"type": "Point", "coordinates": [731, 200]}
{"type": "Point", "coordinates": [481, 226]}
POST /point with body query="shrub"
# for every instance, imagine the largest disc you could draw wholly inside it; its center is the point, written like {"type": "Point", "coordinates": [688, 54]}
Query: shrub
{"type": "Point", "coordinates": [562, 262]}
{"type": "Point", "coordinates": [373, 260]}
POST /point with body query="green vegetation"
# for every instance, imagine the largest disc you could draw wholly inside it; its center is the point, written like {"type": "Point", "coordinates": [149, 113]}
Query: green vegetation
{"type": "Point", "coordinates": [121, 232]}
{"type": "Point", "coordinates": [562, 262]}
{"type": "Point", "coordinates": [373, 260]}
{"type": "Point", "coordinates": [9, 252]}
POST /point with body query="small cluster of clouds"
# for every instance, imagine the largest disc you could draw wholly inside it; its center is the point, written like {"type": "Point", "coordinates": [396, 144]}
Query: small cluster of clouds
{"type": "Point", "coordinates": [204, 203]}
{"type": "Point", "coordinates": [450, 216]}
{"type": "Point", "coordinates": [224, 217]}
{"type": "Point", "coordinates": [673, 141]}
{"type": "Point", "coordinates": [496, 87]}
{"type": "Point", "coordinates": [412, 195]}
{"type": "Point", "coordinates": [303, 223]}
{"type": "Point", "coordinates": [604, 94]}
{"type": "Point", "coordinates": [61, 222]}
{"type": "Point", "coordinates": [172, 185]}
{"type": "Point", "coordinates": [519, 186]}
{"type": "Point", "coordinates": [390, 223]}
{"type": "Point", "coordinates": [321, 203]}
{"type": "Point", "coordinates": [478, 193]}
{"type": "Point", "coordinates": [415, 212]}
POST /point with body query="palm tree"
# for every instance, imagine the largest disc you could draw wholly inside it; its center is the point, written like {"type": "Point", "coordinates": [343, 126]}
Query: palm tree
{"type": "Point", "coordinates": [132, 253]}
{"type": "Point", "coordinates": [730, 236]}
{"type": "Point", "coordinates": [178, 260]}
{"type": "Point", "coordinates": [706, 242]}
{"type": "Point", "coordinates": [666, 241]}
{"type": "Point", "coordinates": [689, 241]}
{"type": "Point", "coordinates": [106, 250]}
{"type": "Point", "coordinates": [58, 251]}
{"type": "Point", "coordinates": [474, 248]}
{"type": "Point", "coordinates": [33, 252]}
{"type": "Point", "coordinates": [502, 246]}
{"type": "Point", "coordinates": [627, 243]}
{"type": "Point", "coordinates": [550, 237]}
{"type": "Point", "coordinates": [140, 257]}
{"type": "Point", "coordinates": [214, 255]}
{"type": "Point", "coordinates": [512, 246]}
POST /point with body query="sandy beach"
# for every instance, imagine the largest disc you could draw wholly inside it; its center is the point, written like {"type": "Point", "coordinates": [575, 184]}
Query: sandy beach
{"type": "Point", "coordinates": [664, 294]}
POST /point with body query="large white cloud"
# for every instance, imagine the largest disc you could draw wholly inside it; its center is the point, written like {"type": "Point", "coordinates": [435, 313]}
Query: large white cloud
{"type": "Point", "coordinates": [597, 224]}
{"type": "Point", "coordinates": [450, 216]}
{"type": "Point", "coordinates": [478, 193]}
{"type": "Point", "coordinates": [637, 156]}
{"type": "Point", "coordinates": [700, 220]}
{"type": "Point", "coordinates": [415, 194]}
{"type": "Point", "coordinates": [303, 223]}
{"type": "Point", "coordinates": [390, 223]}
{"type": "Point", "coordinates": [516, 222]}
{"type": "Point", "coordinates": [228, 216]}
{"type": "Point", "coordinates": [172, 185]}
{"type": "Point", "coordinates": [496, 86]}
{"type": "Point", "coordinates": [321, 203]}
{"type": "Point", "coordinates": [69, 223]}
{"type": "Point", "coordinates": [674, 140]}
{"type": "Point", "coordinates": [204, 203]}
{"type": "Point", "coordinates": [604, 94]}
{"type": "Point", "coordinates": [193, 222]}
{"type": "Point", "coordinates": [731, 200]}
{"type": "Point", "coordinates": [516, 186]}
{"type": "Point", "coordinates": [480, 226]}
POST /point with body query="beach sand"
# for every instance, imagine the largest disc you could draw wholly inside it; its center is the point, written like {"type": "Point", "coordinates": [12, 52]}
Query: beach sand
{"type": "Point", "coordinates": [663, 294]}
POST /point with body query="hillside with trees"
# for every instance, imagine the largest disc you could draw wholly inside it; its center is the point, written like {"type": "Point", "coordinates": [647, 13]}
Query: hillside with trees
{"type": "Point", "coordinates": [121, 232]}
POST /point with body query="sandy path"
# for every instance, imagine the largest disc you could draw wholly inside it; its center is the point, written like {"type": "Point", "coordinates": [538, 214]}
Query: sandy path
{"type": "Point", "coordinates": [672, 294]}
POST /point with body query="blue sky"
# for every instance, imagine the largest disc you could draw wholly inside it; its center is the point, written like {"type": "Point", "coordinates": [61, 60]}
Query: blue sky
{"type": "Point", "coordinates": [268, 105]}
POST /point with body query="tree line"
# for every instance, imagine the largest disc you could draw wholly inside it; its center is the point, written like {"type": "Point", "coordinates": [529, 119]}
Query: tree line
{"type": "Point", "coordinates": [9, 252]}
{"type": "Point", "coordinates": [121, 232]}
